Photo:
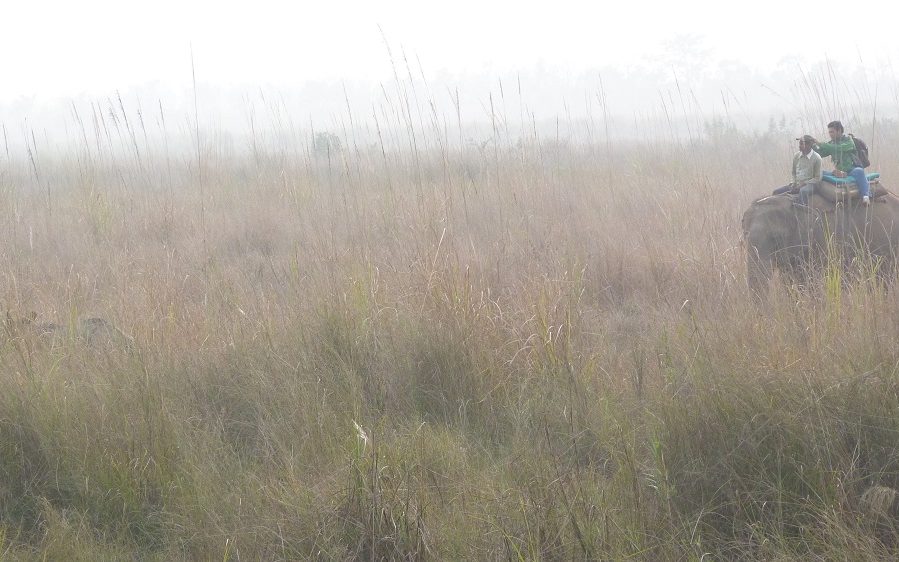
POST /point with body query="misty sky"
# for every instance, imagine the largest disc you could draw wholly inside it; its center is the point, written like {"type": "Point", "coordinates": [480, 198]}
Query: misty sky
{"type": "Point", "coordinates": [746, 55]}
{"type": "Point", "coordinates": [96, 46]}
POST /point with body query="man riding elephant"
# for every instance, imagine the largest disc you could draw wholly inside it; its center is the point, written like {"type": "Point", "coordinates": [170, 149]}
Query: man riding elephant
{"type": "Point", "coordinates": [807, 171]}
{"type": "Point", "coordinates": [843, 153]}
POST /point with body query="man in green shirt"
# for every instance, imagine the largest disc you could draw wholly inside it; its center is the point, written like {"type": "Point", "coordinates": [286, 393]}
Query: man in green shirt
{"type": "Point", "coordinates": [841, 150]}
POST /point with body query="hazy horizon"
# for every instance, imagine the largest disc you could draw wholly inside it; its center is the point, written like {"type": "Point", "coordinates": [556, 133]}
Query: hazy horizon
{"type": "Point", "coordinates": [627, 63]}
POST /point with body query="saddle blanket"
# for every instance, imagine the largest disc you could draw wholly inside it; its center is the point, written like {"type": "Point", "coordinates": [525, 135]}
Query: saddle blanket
{"type": "Point", "coordinates": [830, 178]}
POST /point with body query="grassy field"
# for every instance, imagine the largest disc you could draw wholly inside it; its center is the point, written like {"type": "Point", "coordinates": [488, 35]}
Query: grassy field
{"type": "Point", "coordinates": [531, 348]}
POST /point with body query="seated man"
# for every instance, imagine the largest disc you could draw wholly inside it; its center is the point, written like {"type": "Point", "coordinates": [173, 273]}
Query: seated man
{"type": "Point", "coordinates": [841, 150]}
{"type": "Point", "coordinates": [807, 170]}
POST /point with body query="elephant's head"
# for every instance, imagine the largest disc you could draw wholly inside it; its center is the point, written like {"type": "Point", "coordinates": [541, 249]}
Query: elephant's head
{"type": "Point", "coordinates": [773, 234]}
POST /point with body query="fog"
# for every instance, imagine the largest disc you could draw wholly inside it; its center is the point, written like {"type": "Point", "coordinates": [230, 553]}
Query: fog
{"type": "Point", "coordinates": [623, 70]}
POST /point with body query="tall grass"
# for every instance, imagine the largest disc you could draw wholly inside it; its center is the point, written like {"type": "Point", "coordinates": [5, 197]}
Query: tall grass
{"type": "Point", "coordinates": [424, 348]}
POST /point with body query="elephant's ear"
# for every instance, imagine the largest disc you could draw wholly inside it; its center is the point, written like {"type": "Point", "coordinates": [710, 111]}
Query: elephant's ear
{"type": "Point", "coordinates": [773, 213]}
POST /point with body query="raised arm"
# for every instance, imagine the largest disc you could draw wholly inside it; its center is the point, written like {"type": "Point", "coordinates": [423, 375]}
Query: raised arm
{"type": "Point", "coordinates": [842, 146]}
{"type": "Point", "coordinates": [825, 149]}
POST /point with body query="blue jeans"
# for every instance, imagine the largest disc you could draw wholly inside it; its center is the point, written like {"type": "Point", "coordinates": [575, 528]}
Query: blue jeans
{"type": "Point", "coordinates": [861, 180]}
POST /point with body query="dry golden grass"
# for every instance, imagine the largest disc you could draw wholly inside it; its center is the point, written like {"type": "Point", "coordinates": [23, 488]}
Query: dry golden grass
{"type": "Point", "coordinates": [535, 349]}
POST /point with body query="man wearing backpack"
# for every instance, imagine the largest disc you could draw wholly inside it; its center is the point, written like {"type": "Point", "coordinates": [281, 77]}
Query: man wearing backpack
{"type": "Point", "coordinates": [845, 158]}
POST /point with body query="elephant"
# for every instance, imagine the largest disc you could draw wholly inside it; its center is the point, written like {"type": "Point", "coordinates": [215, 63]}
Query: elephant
{"type": "Point", "coordinates": [781, 234]}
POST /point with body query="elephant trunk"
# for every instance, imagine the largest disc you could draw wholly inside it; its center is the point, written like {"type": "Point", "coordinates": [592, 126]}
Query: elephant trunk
{"type": "Point", "coordinates": [760, 266]}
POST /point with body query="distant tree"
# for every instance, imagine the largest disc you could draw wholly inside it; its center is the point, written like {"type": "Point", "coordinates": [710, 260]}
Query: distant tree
{"type": "Point", "coordinates": [326, 143]}
{"type": "Point", "coordinates": [718, 129]}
